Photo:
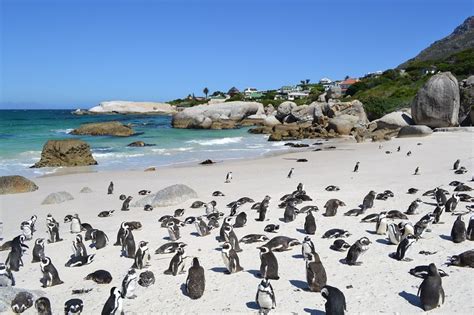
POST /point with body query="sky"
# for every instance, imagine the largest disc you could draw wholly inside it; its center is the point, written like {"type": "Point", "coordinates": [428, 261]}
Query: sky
{"type": "Point", "coordinates": [75, 54]}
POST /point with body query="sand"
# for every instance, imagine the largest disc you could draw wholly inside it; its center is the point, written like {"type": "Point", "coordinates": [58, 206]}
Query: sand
{"type": "Point", "coordinates": [380, 284]}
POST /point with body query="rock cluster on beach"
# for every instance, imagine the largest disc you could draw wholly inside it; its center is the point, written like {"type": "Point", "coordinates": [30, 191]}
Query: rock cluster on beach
{"type": "Point", "coordinates": [110, 128]}
{"type": "Point", "coordinates": [16, 184]}
{"type": "Point", "coordinates": [68, 152]}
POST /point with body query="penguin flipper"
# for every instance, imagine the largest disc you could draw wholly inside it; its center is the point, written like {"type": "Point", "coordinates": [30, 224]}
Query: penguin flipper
{"type": "Point", "coordinates": [442, 295]}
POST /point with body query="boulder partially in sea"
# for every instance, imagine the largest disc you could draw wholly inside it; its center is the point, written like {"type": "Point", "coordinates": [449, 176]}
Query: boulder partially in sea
{"type": "Point", "coordinates": [437, 103]}
{"type": "Point", "coordinates": [216, 116]}
{"type": "Point", "coordinates": [125, 107]}
{"type": "Point", "coordinates": [16, 184]}
{"type": "Point", "coordinates": [68, 152]}
{"type": "Point", "coordinates": [57, 197]}
{"type": "Point", "coordinates": [169, 196]}
{"type": "Point", "coordinates": [110, 128]}
{"type": "Point", "coordinates": [139, 144]}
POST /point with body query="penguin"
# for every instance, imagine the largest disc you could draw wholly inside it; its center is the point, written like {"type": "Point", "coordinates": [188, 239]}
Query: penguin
{"type": "Point", "coordinates": [73, 307]}
{"type": "Point", "coordinates": [129, 284]}
{"type": "Point", "coordinates": [22, 301]}
{"type": "Point", "coordinates": [265, 297]}
{"type": "Point", "coordinates": [335, 300]}
{"type": "Point", "coordinates": [412, 209]}
{"type": "Point", "coordinates": [290, 212]}
{"type": "Point", "coordinates": [226, 223]}
{"type": "Point", "coordinates": [458, 232]}
{"type": "Point", "coordinates": [406, 228]}
{"type": "Point", "coordinates": [373, 217]}
{"type": "Point", "coordinates": [148, 208]}
{"type": "Point", "coordinates": [357, 249]}
{"type": "Point", "coordinates": [452, 203]}
{"type": "Point", "coordinates": [78, 261]}
{"type": "Point", "coordinates": [121, 233]}
{"type": "Point", "coordinates": [99, 239]}
{"type": "Point", "coordinates": [409, 153]}
{"type": "Point", "coordinates": [218, 193]}
{"type": "Point", "coordinates": [114, 304]}
{"type": "Point", "coordinates": [336, 233]}
{"type": "Point", "coordinates": [38, 250]}
{"type": "Point", "coordinates": [78, 247]}
{"type": "Point", "coordinates": [262, 209]}
{"type": "Point", "coordinates": [201, 227]}
{"type": "Point", "coordinates": [437, 212]}
{"type": "Point", "coordinates": [126, 204]}
{"type": "Point", "coordinates": [394, 234]}
{"type": "Point", "coordinates": [144, 192]}
{"type": "Point", "coordinates": [100, 277]}
{"type": "Point", "coordinates": [110, 189]}
{"type": "Point", "coordinates": [423, 224]}
{"type": "Point", "coordinates": [331, 207]}
{"type": "Point", "coordinates": [128, 244]}
{"type": "Point", "coordinates": [122, 197]}
{"type": "Point", "coordinates": [431, 291]}
{"type": "Point", "coordinates": [169, 248]}
{"type": "Point", "coordinates": [43, 306]}
{"type": "Point", "coordinates": [196, 281]}
{"type": "Point", "coordinates": [440, 196]}
{"type": "Point", "coordinates": [271, 228]}
{"type": "Point", "coordinates": [340, 245]}
{"type": "Point", "coordinates": [26, 230]}
{"type": "Point", "coordinates": [456, 164]}
{"type": "Point", "coordinates": [422, 271]}
{"type": "Point", "coordinates": [412, 191]}
{"type": "Point", "coordinates": [146, 279]}
{"type": "Point", "coordinates": [307, 247]}
{"type": "Point", "coordinates": [230, 258]}
{"type": "Point", "coordinates": [464, 259]}
{"type": "Point", "coordinates": [104, 214]}
{"type": "Point", "coordinates": [398, 149]}
{"type": "Point", "coordinates": [50, 273]}
{"type": "Point", "coordinates": [268, 264]}
{"type": "Point", "coordinates": [53, 230]}
{"type": "Point", "coordinates": [234, 207]}
{"type": "Point", "coordinates": [310, 223]}
{"type": "Point", "coordinates": [178, 213]}
{"type": "Point", "coordinates": [403, 247]}
{"type": "Point", "coordinates": [356, 167]}
{"type": "Point", "coordinates": [253, 238]}
{"type": "Point", "coordinates": [315, 273]}
{"type": "Point", "coordinates": [228, 178]}
{"type": "Point", "coordinates": [177, 263]}
{"type": "Point", "coordinates": [381, 226]}
{"type": "Point", "coordinates": [173, 231]}
{"type": "Point", "coordinates": [282, 243]}
{"type": "Point", "coordinates": [368, 201]}
{"type": "Point", "coordinates": [14, 260]}
{"type": "Point", "coordinates": [332, 188]}
{"type": "Point", "coordinates": [230, 237]}
{"type": "Point", "coordinates": [417, 171]}
{"type": "Point", "coordinates": [290, 173]}
{"type": "Point", "coordinates": [470, 229]}
{"type": "Point", "coordinates": [6, 276]}
{"type": "Point", "coordinates": [142, 256]}
{"type": "Point", "coordinates": [76, 224]}
{"type": "Point", "coordinates": [240, 220]}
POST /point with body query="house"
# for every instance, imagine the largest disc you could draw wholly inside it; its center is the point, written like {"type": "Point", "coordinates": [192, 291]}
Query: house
{"type": "Point", "coordinates": [291, 93]}
{"type": "Point", "coordinates": [346, 84]}
{"type": "Point", "coordinates": [233, 91]}
{"type": "Point", "coordinates": [250, 90]}
{"type": "Point", "coordinates": [326, 83]}
{"type": "Point", "coordinates": [254, 95]}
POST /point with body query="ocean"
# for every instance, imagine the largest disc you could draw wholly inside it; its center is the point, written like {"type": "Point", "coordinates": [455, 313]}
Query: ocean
{"type": "Point", "coordinates": [24, 132]}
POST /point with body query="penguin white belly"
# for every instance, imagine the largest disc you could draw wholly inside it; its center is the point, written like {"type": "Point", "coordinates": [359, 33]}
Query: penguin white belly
{"type": "Point", "coordinates": [225, 258]}
{"type": "Point", "coordinates": [198, 228]}
{"type": "Point", "coordinates": [26, 230]}
{"type": "Point", "coordinates": [382, 227]}
{"type": "Point", "coordinates": [75, 226]}
{"type": "Point", "coordinates": [306, 249]}
{"type": "Point", "coordinates": [265, 300]}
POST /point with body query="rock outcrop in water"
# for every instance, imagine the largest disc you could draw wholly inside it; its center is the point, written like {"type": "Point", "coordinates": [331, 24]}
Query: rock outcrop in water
{"type": "Point", "coordinates": [16, 184]}
{"type": "Point", "coordinates": [125, 107]}
{"type": "Point", "coordinates": [69, 152]}
{"type": "Point", "coordinates": [110, 128]}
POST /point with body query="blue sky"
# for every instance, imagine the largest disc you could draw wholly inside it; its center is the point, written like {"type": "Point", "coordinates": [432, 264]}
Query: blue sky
{"type": "Point", "coordinates": [69, 54]}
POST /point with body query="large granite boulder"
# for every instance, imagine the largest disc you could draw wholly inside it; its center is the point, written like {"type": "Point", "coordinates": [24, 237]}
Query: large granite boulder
{"type": "Point", "coordinates": [125, 107]}
{"type": "Point", "coordinates": [437, 103]}
{"type": "Point", "coordinates": [466, 90]}
{"type": "Point", "coordinates": [414, 131]}
{"type": "Point", "coordinates": [303, 113]}
{"type": "Point", "coordinates": [285, 109]}
{"type": "Point", "coordinates": [334, 92]}
{"type": "Point", "coordinates": [203, 116]}
{"type": "Point", "coordinates": [57, 197]}
{"type": "Point", "coordinates": [354, 108]}
{"type": "Point", "coordinates": [342, 125]}
{"type": "Point", "coordinates": [394, 120]}
{"type": "Point", "coordinates": [169, 196]}
{"type": "Point", "coordinates": [271, 121]}
{"type": "Point", "coordinates": [110, 128]}
{"type": "Point", "coordinates": [16, 184]}
{"type": "Point", "coordinates": [70, 152]}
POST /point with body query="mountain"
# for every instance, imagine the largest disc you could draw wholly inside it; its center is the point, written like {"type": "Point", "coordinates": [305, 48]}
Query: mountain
{"type": "Point", "coordinates": [461, 38]}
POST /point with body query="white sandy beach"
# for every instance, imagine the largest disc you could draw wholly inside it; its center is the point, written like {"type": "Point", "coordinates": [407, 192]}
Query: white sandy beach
{"type": "Point", "coordinates": [379, 285]}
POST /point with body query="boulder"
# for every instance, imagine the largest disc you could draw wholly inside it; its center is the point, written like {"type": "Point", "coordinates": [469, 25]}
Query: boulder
{"type": "Point", "coordinates": [111, 128]}
{"type": "Point", "coordinates": [341, 125]}
{"type": "Point", "coordinates": [269, 110]}
{"type": "Point", "coordinates": [57, 197]}
{"type": "Point", "coordinates": [334, 92]}
{"type": "Point", "coordinates": [16, 184]}
{"type": "Point", "coordinates": [437, 103]}
{"type": "Point", "coordinates": [86, 190]}
{"type": "Point", "coordinates": [70, 152]}
{"type": "Point", "coordinates": [303, 113]}
{"type": "Point", "coordinates": [203, 116]}
{"type": "Point", "coordinates": [271, 121]}
{"type": "Point", "coordinates": [394, 120]}
{"type": "Point", "coordinates": [124, 107]}
{"type": "Point", "coordinates": [150, 169]}
{"type": "Point", "coordinates": [169, 196]}
{"type": "Point", "coordinates": [354, 108]}
{"type": "Point", "coordinates": [414, 131]}
{"type": "Point", "coordinates": [139, 144]}
{"type": "Point", "coordinates": [466, 91]}
{"type": "Point", "coordinates": [284, 109]}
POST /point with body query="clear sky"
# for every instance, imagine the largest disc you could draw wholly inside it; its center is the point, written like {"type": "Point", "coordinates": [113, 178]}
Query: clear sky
{"type": "Point", "coordinates": [70, 54]}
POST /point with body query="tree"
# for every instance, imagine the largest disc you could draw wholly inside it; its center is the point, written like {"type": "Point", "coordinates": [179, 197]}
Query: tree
{"type": "Point", "coordinates": [206, 91]}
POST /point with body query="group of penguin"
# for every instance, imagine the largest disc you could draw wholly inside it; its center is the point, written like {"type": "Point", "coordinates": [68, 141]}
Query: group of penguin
{"type": "Point", "coordinates": [403, 234]}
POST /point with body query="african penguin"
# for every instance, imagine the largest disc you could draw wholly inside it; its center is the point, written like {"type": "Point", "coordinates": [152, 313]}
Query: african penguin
{"type": "Point", "coordinates": [356, 250]}
{"type": "Point", "coordinates": [335, 300]}
{"type": "Point", "coordinates": [458, 232]}
{"type": "Point", "coordinates": [268, 264]}
{"type": "Point", "coordinates": [195, 282]}
{"type": "Point", "coordinates": [114, 304]}
{"type": "Point", "coordinates": [177, 263]}
{"type": "Point", "coordinates": [230, 258]}
{"type": "Point", "coordinates": [43, 306]}
{"type": "Point", "coordinates": [265, 297]}
{"type": "Point", "coordinates": [142, 256]}
{"type": "Point", "coordinates": [431, 291]}
{"type": "Point", "coordinates": [50, 273]}
{"type": "Point", "coordinates": [110, 189]}
{"type": "Point", "coordinates": [315, 273]}
{"type": "Point", "coordinates": [129, 284]}
{"type": "Point", "coordinates": [73, 307]}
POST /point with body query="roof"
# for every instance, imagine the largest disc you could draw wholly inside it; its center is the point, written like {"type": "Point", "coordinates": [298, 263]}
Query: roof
{"type": "Point", "coordinates": [349, 81]}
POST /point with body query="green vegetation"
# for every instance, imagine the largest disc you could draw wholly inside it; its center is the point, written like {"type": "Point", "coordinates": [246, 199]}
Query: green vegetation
{"type": "Point", "coordinates": [395, 89]}
{"type": "Point", "coordinates": [187, 102]}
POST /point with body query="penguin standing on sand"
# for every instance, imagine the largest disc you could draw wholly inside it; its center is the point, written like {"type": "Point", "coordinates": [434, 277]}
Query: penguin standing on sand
{"type": "Point", "coordinates": [231, 237]}
{"type": "Point", "coordinates": [262, 208]}
{"type": "Point", "coordinates": [14, 260]}
{"type": "Point", "coordinates": [121, 234]}
{"type": "Point", "coordinates": [470, 229]}
{"type": "Point", "coordinates": [452, 203]}
{"type": "Point", "coordinates": [78, 247]}
{"type": "Point", "coordinates": [110, 190]}
{"type": "Point", "coordinates": [76, 224]}
{"type": "Point", "coordinates": [412, 209]}
{"type": "Point", "coordinates": [53, 230]}
{"type": "Point", "coordinates": [417, 171]}
{"type": "Point", "coordinates": [368, 201]}
{"type": "Point", "coordinates": [290, 173]}
{"type": "Point", "coordinates": [310, 223]}
{"type": "Point", "coordinates": [335, 300]}
{"type": "Point", "coordinates": [228, 178]}
{"type": "Point", "coordinates": [6, 276]}
{"type": "Point", "coordinates": [50, 273]}
{"type": "Point", "coordinates": [394, 234]}
{"type": "Point", "coordinates": [26, 230]}
{"type": "Point", "coordinates": [440, 197]}
{"type": "Point", "coordinates": [458, 232]}
{"type": "Point", "coordinates": [315, 273]}
{"type": "Point", "coordinates": [356, 250]}
{"type": "Point", "coordinates": [403, 247]}
{"type": "Point", "coordinates": [265, 297]}
{"type": "Point", "coordinates": [177, 263]}
{"type": "Point", "coordinates": [230, 258]}
{"type": "Point", "coordinates": [268, 264]}
{"type": "Point", "coordinates": [240, 220]}
{"type": "Point", "coordinates": [356, 167]}
{"type": "Point", "coordinates": [456, 164]}
{"type": "Point", "coordinates": [128, 244]}
{"type": "Point", "coordinates": [114, 304]}
{"type": "Point", "coordinates": [431, 291]}
{"type": "Point", "coordinates": [129, 284]}
{"type": "Point", "coordinates": [201, 227]}
{"type": "Point", "coordinates": [382, 224]}
{"type": "Point", "coordinates": [126, 204]}
{"type": "Point", "coordinates": [142, 256]}
{"type": "Point", "coordinates": [173, 231]}
{"type": "Point", "coordinates": [99, 239]}
{"type": "Point", "coordinates": [38, 250]}
{"type": "Point", "coordinates": [196, 281]}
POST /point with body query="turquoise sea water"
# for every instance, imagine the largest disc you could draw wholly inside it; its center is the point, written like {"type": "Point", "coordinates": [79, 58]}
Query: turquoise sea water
{"type": "Point", "coordinates": [23, 133]}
